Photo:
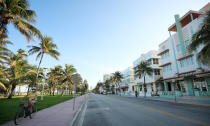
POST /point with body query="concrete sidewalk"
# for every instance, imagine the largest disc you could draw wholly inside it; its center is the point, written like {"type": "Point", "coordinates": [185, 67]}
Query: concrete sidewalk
{"type": "Point", "coordinates": [59, 115]}
{"type": "Point", "coordinates": [204, 103]}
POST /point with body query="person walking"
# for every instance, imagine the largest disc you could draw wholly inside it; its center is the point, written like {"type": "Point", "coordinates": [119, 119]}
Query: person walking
{"type": "Point", "coordinates": [136, 93]}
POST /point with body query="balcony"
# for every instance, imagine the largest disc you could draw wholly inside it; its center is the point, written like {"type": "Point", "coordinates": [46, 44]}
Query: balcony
{"type": "Point", "coordinates": [186, 19]}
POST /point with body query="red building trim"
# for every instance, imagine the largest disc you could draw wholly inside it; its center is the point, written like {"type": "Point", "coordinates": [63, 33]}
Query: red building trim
{"type": "Point", "coordinates": [184, 57]}
{"type": "Point", "coordinates": [165, 64]}
{"type": "Point", "coordinates": [164, 51]}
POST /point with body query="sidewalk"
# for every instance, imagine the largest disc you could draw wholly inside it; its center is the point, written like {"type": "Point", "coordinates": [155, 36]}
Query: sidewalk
{"type": "Point", "coordinates": [59, 115]}
{"type": "Point", "coordinates": [204, 103]}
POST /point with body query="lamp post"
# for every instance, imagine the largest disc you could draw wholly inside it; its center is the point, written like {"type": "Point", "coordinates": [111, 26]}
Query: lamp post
{"type": "Point", "coordinates": [44, 70]}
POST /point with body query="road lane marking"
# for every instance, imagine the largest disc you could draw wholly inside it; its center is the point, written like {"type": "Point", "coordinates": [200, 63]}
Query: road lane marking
{"type": "Point", "coordinates": [166, 113]}
{"type": "Point", "coordinates": [83, 114]}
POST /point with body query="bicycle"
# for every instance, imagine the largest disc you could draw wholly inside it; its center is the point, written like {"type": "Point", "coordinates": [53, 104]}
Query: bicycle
{"type": "Point", "coordinates": [23, 112]}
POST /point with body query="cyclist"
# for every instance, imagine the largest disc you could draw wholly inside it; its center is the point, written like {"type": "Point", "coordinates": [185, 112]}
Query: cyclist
{"type": "Point", "coordinates": [32, 99]}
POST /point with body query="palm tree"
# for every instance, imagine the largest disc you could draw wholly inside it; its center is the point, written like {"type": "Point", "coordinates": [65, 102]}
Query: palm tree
{"type": "Point", "coordinates": [17, 71]}
{"type": "Point", "coordinates": [142, 70]}
{"type": "Point", "coordinates": [19, 14]}
{"type": "Point", "coordinates": [117, 76]}
{"type": "Point", "coordinates": [68, 72]}
{"type": "Point", "coordinates": [202, 37]}
{"type": "Point", "coordinates": [46, 46]}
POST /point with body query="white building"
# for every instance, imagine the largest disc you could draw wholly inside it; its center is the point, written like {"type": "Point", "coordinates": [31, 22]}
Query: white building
{"type": "Point", "coordinates": [181, 69]}
{"type": "Point", "coordinates": [154, 61]}
{"type": "Point", "coordinates": [127, 84]}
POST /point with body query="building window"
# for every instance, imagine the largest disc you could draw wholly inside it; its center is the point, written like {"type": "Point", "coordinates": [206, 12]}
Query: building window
{"type": "Point", "coordinates": [155, 61]}
{"type": "Point", "coordinates": [165, 55]}
{"type": "Point", "coordinates": [186, 62]}
{"type": "Point", "coordinates": [156, 71]}
{"type": "Point", "coordinates": [167, 68]}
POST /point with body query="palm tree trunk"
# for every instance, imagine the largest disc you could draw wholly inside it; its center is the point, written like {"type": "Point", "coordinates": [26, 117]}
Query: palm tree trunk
{"type": "Point", "coordinates": [28, 89]}
{"type": "Point", "coordinates": [39, 67]}
{"type": "Point", "coordinates": [53, 91]}
{"type": "Point", "coordinates": [12, 91]}
{"type": "Point", "coordinates": [69, 90]}
{"type": "Point", "coordinates": [62, 93]}
{"type": "Point", "coordinates": [50, 91]}
{"type": "Point", "coordinates": [8, 92]}
{"type": "Point", "coordinates": [119, 88]}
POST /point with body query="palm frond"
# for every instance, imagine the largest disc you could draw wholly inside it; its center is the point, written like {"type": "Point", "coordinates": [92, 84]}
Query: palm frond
{"type": "Point", "coordinates": [3, 86]}
{"type": "Point", "coordinates": [203, 55]}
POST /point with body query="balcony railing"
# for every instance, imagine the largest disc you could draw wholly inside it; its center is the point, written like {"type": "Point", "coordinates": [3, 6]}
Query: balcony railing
{"type": "Point", "coordinates": [202, 93]}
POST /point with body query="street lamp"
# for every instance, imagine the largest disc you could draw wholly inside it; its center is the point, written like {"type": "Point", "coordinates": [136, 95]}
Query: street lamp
{"type": "Point", "coordinates": [44, 69]}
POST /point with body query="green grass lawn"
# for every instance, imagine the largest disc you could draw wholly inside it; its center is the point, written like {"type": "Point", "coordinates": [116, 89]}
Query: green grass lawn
{"type": "Point", "coordinates": [8, 107]}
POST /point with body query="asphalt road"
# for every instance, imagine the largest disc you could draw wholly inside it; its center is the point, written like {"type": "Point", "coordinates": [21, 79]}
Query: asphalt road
{"type": "Point", "coordinates": [110, 110]}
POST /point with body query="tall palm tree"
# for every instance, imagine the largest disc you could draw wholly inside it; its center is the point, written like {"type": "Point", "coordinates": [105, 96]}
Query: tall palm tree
{"type": "Point", "coordinates": [19, 14]}
{"type": "Point", "coordinates": [142, 70]}
{"type": "Point", "coordinates": [202, 37]}
{"type": "Point", "coordinates": [117, 76]}
{"type": "Point", "coordinates": [46, 46]}
{"type": "Point", "coordinates": [68, 72]}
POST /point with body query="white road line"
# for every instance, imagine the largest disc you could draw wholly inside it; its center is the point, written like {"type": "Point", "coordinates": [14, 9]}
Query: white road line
{"type": "Point", "coordinates": [83, 114]}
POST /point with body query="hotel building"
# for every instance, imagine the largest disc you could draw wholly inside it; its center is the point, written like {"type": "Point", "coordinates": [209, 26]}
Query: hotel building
{"type": "Point", "coordinates": [182, 71]}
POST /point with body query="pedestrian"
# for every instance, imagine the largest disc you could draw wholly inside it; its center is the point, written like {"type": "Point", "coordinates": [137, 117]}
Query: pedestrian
{"type": "Point", "coordinates": [136, 94]}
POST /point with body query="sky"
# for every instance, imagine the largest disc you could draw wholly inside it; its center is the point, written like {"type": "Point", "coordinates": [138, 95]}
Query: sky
{"type": "Point", "coordinates": [102, 36]}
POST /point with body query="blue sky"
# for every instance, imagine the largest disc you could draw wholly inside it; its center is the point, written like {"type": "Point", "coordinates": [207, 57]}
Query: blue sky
{"type": "Point", "coordinates": [102, 36]}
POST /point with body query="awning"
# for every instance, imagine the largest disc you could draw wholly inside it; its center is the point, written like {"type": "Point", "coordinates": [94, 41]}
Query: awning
{"type": "Point", "coordinates": [122, 87]}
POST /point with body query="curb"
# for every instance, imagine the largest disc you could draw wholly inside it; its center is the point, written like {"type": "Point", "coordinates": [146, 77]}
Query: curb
{"type": "Point", "coordinates": [198, 105]}
{"type": "Point", "coordinates": [77, 113]}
